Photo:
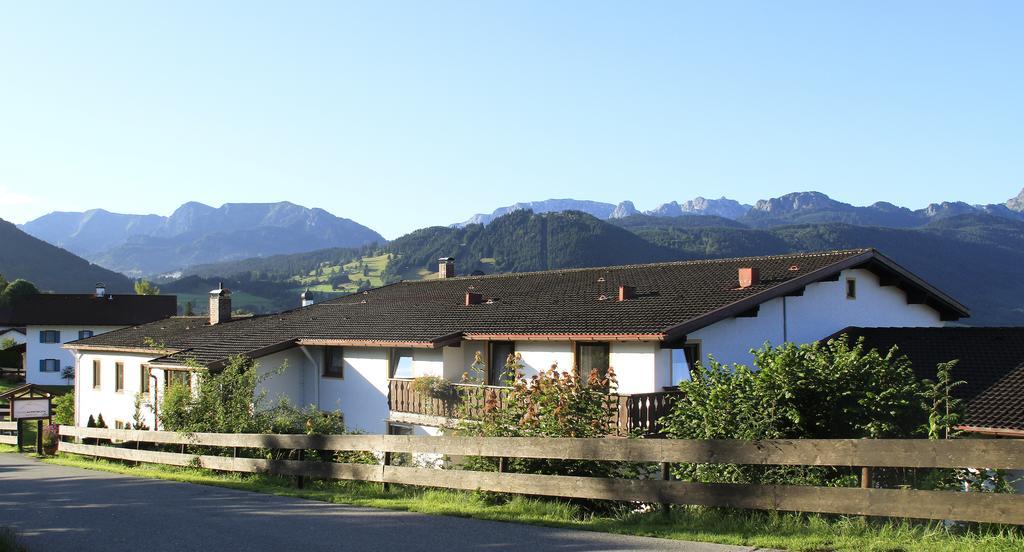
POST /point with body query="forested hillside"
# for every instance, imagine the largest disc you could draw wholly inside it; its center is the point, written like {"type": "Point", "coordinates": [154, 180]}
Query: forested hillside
{"type": "Point", "coordinates": [977, 258]}
{"type": "Point", "coordinates": [51, 268]}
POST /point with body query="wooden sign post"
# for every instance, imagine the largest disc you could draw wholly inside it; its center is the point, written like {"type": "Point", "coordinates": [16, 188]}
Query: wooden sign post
{"type": "Point", "coordinates": [30, 402]}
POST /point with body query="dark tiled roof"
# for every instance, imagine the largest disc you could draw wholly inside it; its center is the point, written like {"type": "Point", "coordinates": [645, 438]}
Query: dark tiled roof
{"type": "Point", "coordinates": [990, 361]}
{"type": "Point", "coordinates": [87, 309]}
{"type": "Point", "coordinates": [671, 299]}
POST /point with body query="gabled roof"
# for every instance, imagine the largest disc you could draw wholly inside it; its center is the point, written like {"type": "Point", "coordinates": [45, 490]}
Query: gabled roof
{"type": "Point", "coordinates": [989, 360]}
{"type": "Point", "coordinates": [88, 309]}
{"type": "Point", "coordinates": [670, 300]}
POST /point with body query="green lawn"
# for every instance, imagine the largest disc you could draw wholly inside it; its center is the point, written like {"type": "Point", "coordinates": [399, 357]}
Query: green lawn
{"type": "Point", "coordinates": [771, 530]}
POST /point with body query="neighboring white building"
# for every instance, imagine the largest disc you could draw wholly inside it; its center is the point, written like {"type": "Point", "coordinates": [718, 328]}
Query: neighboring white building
{"type": "Point", "coordinates": [17, 335]}
{"type": "Point", "coordinates": [357, 353]}
{"type": "Point", "coordinates": [52, 320]}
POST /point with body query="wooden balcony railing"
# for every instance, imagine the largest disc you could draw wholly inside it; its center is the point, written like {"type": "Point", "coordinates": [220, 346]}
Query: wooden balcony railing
{"type": "Point", "coordinates": [635, 413]}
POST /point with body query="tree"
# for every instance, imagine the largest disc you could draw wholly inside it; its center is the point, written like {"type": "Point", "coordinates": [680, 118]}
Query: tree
{"type": "Point", "coordinates": [17, 290]}
{"type": "Point", "coordinates": [189, 309]}
{"type": "Point", "coordinates": [145, 287]}
{"type": "Point", "coordinates": [3, 283]}
{"type": "Point", "coordinates": [68, 374]}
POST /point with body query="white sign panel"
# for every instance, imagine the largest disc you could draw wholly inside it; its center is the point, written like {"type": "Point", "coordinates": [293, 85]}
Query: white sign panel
{"type": "Point", "coordinates": [30, 408]}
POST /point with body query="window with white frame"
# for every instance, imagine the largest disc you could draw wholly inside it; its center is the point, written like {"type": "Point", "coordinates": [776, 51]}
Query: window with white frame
{"type": "Point", "coordinates": [683, 360]}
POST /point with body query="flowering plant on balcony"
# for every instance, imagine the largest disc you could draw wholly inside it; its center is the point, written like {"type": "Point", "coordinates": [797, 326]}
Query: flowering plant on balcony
{"type": "Point", "coordinates": [434, 387]}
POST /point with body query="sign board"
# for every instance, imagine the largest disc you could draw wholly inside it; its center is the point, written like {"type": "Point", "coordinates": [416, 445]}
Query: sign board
{"type": "Point", "coordinates": [30, 409]}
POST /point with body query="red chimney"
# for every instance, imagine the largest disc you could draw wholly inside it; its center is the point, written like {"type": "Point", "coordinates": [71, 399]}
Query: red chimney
{"type": "Point", "coordinates": [749, 276]}
{"type": "Point", "coordinates": [626, 292]}
{"type": "Point", "coordinates": [473, 298]}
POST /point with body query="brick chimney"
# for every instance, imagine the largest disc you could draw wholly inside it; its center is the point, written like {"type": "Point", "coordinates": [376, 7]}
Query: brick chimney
{"type": "Point", "coordinates": [446, 267]}
{"type": "Point", "coordinates": [220, 304]}
{"type": "Point", "coordinates": [749, 276]}
{"type": "Point", "coordinates": [626, 293]}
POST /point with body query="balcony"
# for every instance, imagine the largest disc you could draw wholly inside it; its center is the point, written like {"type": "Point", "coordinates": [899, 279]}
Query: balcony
{"type": "Point", "coordinates": [636, 413]}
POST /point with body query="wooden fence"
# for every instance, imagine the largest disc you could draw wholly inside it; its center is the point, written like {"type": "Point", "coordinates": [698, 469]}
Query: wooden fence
{"type": "Point", "coordinates": [978, 507]}
{"type": "Point", "coordinates": [9, 433]}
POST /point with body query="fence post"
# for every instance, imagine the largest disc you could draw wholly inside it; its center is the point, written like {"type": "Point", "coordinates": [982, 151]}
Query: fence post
{"type": "Point", "coordinates": [865, 477]}
{"type": "Point", "coordinates": [665, 476]}
{"type": "Point", "coordinates": [39, 437]}
{"type": "Point", "coordinates": [300, 481]}
{"type": "Point", "coordinates": [18, 433]}
{"type": "Point", "coordinates": [502, 464]}
{"type": "Point", "coordinates": [385, 461]}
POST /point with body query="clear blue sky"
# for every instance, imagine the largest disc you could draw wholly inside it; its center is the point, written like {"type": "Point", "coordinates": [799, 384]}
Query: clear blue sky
{"type": "Point", "coordinates": [402, 115]}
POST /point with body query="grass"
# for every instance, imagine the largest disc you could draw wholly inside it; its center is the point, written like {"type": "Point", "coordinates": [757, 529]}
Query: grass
{"type": "Point", "coordinates": [10, 541]}
{"type": "Point", "coordinates": [800, 532]}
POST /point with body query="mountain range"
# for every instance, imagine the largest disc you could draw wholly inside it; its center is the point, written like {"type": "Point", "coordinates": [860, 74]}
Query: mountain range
{"type": "Point", "coordinates": [793, 208]}
{"type": "Point", "coordinates": [196, 233]}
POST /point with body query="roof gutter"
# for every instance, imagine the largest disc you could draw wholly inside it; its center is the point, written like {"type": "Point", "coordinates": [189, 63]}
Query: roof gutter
{"type": "Point", "coordinates": [993, 431]}
{"type": "Point", "coordinates": [563, 337]}
{"type": "Point", "coordinates": [112, 349]}
{"type": "Point", "coordinates": [436, 343]}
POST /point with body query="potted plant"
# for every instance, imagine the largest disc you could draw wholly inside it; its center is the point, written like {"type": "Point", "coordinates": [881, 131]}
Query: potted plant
{"type": "Point", "coordinates": [51, 436]}
{"type": "Point", "coordinates": [434, 387]}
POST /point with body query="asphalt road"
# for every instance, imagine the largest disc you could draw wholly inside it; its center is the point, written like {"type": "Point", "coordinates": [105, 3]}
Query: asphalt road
{"type": "Point", "coordinates": [60, 508]}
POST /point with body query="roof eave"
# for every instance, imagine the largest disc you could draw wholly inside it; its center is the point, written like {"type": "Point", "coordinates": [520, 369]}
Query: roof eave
{"type": "Point", "coordinates": [993, 431]}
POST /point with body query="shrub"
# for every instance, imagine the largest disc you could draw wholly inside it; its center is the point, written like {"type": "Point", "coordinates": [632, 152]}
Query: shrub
{"type": "Point", "coordinates": [64, 410]}
{"type": "Point", "coordinates": [552, 403]}
{"type": "Point", "coordinates": [434, 387]}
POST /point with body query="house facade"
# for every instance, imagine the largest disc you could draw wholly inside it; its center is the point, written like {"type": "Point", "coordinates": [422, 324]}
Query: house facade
{"type": "Point", "coordinates": [51, 320]}
{"type": "Point", "coordinates": [358, 354]}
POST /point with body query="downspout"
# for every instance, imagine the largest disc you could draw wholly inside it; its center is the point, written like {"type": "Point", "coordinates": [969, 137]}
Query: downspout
{"type": "Point", "coordinates": [785, 322]}
{"type": "Point", "coordinates": [78, 362]}
{"type": "Point", "coordinates": [316, 375]}
{"type": "Point", "coordinates": [156, 399]}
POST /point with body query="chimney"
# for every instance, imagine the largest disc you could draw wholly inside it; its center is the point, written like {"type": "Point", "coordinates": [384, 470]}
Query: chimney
{"type": "Point", "coordinates": [101, 290]}
{"type": "Point", "coordinates": [307, 298]}
{"type": "Point", "coordinates": [473, 298]}
{"type": "Point", "coordinates": [220, 304]}
{"type": "Point", "coordinates": [749, 276]}
{"type": "Point", "coordinates": [626, 293]}
{"type": "Point", "coordinates": [446, 267]}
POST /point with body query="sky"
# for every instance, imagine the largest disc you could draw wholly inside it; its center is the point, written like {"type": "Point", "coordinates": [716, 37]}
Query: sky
{"type": "Point", "coordinates": [401, 115]}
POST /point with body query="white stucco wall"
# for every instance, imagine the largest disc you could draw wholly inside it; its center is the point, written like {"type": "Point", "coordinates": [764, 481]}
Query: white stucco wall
{"type": "Point", "coordinates": [639, 367]}
{"type": "Point", "coordinates": [538, 356]}
{"type": "Point", "coordinates": [284, 375]}
{"type": "Point", "coordinates": [114, 405]}
{"type": "Point", "coordinates": [35, 351]}
{"type": "Point", "coordinates": [362, 393]}
{"type": "Point", "coordinates": [822, 310]}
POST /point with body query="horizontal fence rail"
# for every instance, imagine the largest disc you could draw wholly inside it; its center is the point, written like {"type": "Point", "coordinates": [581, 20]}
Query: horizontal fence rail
{"type": "Point", "coordinates": [909, 453]}
{"type": "Point", "coordinates": [9, 433]}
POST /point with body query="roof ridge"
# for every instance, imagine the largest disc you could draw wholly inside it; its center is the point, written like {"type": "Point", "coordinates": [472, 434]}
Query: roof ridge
{"type": "Point", "coordinates": [642, 265]}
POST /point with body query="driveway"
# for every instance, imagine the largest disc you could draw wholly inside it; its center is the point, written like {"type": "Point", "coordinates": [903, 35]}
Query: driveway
{"type": "Point", "coordinates": [62, 508]}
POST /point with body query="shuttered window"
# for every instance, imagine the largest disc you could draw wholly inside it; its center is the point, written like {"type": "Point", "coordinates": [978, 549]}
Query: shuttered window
{"type": "Point", "coordinates": [49, 365]}
{"type": "Point", "coordinates": [49, 336]}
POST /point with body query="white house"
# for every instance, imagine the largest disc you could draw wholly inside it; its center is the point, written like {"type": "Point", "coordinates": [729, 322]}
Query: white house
{"type": "Point", "coordinates": [650, 322]}
{"type": "Point", "coordinates": [51, 320]}
{"type": "Point", "coordinates": [17, 335]}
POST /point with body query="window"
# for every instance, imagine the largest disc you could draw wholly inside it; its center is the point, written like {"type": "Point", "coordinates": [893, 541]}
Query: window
{"type": "Point", "coordinates": [95, 374]}
{"type": "Point", "coordinates": [49, 365]}
{"type": "Point", "coordinates": [334, 362]}
{"type": "Point", "coordinates": [683, 359]}
{"type": "Point", "coordinates": [401, 363]}
{"type": "Point", "coordinates": [84, 334]}
{"type": "Point", "coordinates": [118, 376]}
{"type": "Point", "coordinates": [500, 351]}
{"type": "Point", "coordinates": [851, 288]}
{"type": "Point", "coordinates": [49, 336]}
{"type": "Point", "coordinates": [591, 357]}
{"type": "Point", "coordinates": [178, 377]}
{"type": "Point", "coordinates": [144, 378]}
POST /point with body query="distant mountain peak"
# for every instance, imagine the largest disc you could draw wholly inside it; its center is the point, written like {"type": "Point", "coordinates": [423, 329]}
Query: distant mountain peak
{"type": "Point", "coordinates": [1016, 203]}
{"type": "Point", "coordinates": [797, 201]}
{"type": "Point", "coordinates": [624, 209]}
